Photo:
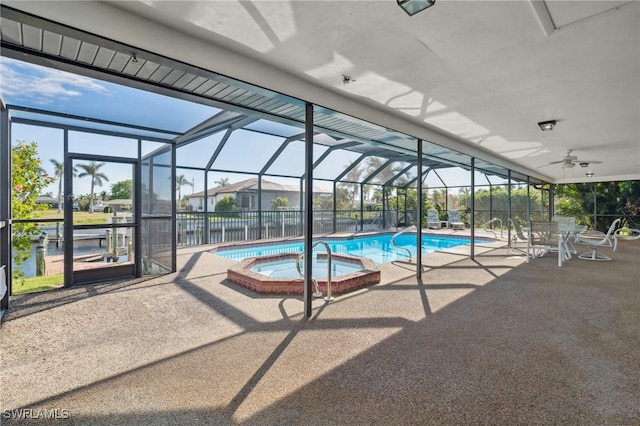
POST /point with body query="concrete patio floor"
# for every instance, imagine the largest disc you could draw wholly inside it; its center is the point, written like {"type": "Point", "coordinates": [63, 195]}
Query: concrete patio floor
{"type": "Point", "coordinates": [489, 341]}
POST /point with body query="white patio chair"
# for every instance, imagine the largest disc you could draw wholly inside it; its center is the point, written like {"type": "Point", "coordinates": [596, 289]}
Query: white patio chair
{"type": "Point", "coordinates": [433, 221]}
{"type": "Point", "coordinates": [454, 220]}
{"type": "Point", "coordinates": [516, 235]}
{"type": "Point", "coordinates": [544, 237]}
{"type": "Point", "coordinates": [596, 239]}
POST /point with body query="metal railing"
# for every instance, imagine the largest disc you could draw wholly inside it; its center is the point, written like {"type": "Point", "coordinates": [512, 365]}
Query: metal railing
{"type": "Point", "coordinates": [393, 239]}
{"type": "Point", "coordinates": [485, 225]}
{"type": "Point", "coordinates": [318, 293]}
{"type": "Point", "coordinates": [195, 228]}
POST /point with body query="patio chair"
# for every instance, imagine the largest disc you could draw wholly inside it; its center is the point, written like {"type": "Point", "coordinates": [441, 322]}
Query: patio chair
{"type": "Point", "coordinates": [596, 239]}
{"type": "Point", "coordinates": [433, 221]}
{"type": "Point", "coordinates": [454, 220]}
{"type": "Point", "coordinates": [544, 237]}
{"type": "Point", "coordinates": [517, 235]}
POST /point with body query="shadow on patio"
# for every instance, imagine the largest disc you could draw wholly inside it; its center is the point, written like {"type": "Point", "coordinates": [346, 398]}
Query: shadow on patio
{"type": "Point", "coordinates": [484, 341]}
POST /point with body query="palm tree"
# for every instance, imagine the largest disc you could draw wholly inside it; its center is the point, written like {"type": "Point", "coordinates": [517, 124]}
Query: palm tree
{"type": "Point", "coordinates": [222, 181]}
{"type": "Point", "coordinates": [180, 182]}
{"type": "Point", "coordinates": [59, 173]}
{"type": "Point", "coordinates": [384, 175]}
{"type": "Point", "coordinates": [92, 169]}
{"type": "Point", "coordinates": [354, 175]}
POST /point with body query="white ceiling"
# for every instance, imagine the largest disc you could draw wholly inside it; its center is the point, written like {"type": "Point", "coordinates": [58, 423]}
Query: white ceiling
{"type": "Point", "coordinates": [478, 72]}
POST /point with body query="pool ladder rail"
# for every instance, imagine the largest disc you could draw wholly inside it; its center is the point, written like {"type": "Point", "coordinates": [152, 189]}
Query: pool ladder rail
{"type": "Point", "coordinates": [318, 293]}
{"type": "Point", "coordinates": [494, 220]}
{"type": "Point", "coordinates": [393, 239]}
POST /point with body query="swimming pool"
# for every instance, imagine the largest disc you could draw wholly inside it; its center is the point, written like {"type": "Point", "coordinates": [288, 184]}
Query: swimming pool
{"type": "Point", "coordinates": [286, 268]}
{"type": "Point", "coordinates": [378, 248]}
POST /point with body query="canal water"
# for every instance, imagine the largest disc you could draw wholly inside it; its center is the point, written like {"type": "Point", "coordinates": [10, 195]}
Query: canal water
{"type": "Point", "coordinates": [83, 247]}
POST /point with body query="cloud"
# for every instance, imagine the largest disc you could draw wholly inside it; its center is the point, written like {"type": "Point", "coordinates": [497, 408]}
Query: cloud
{"type": "Point", "coordinates": [20, 81]}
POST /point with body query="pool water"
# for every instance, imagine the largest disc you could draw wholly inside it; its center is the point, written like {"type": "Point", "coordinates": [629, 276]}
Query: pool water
{"type": "Point", "coordinates": [378, 248]}
{"type": "Point", "coordinates": [286, 268]}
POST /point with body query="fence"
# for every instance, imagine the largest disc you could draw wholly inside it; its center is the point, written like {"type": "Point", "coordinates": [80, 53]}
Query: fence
{"type": "Point", "coordinates": [199, 228]}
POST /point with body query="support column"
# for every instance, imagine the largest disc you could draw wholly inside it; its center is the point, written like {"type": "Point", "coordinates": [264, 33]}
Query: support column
{"type": "Point", "coordinates": [68, 212]}
{"type": "Point", "coordinates": [490, 201]}
{"type": "Point", "coordinates": [509, 212]}
{"type": "Point", "coordinates": [134, 247]}
{"type": "Point", "coordinates": [301, 231]}
{"type": "Point", "coordinates": [335, 207]}
{"type": "Point", "coordinates": [472, 222]}
{"type": "Point", "coordinates": [419, 213]}
{"type": "Point", "coordinates": [384, 208]}
{"type": "Point", "coordinates": [259, 207]}
{"type": "Point", "coordinates": [5, 204]}
{"type": "Point", "coordinates": [174, 222]}
{"type": "Point", "coordinates": [406, 223]}
{"type": "Point", "coordinates": [552, 202]}
{"type": "Point", "coordinates": [528, 197]}
{"type": "Point", "coordinates": [308, 208]}
{"type": "Point", "coordinates": [207, 221]}
{"type": "Point", "coordinates": [362, 207]}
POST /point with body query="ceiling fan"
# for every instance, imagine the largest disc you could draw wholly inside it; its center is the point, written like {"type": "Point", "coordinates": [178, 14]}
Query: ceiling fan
{"type": "Point", "coordinates": [569, 161]}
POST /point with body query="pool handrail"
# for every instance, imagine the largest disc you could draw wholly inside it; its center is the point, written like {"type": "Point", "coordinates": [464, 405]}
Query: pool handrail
{"type": "Point", "coordinates": [316, 293]}
{"type": "Point", "coordinates": [495, 219]}
{"type": "Point", "coordinates": [393, 239]}
{"type": "Point", "coordinates": [300, 256]}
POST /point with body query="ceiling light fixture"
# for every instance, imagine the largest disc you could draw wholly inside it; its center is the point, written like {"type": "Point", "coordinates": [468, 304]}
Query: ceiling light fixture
{"type": "Point", "coordinates": [546, 126]}
{"type": "Point", "coordinates": [414, 6]}
{"type": "Point", "coordinates": [589, 174]}
{"type": "Point", "coordinates": [584, 164]}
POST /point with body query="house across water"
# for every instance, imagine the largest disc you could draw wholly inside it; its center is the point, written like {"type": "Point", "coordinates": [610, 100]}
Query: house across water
{"type": "Point", "coordinates": [246, 195]}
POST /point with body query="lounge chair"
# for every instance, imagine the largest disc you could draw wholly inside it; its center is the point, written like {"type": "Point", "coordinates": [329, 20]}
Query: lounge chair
{"type": "Point", "coordinates": [596, 239]}
{"type": "Point", "coordinates": [433, 221]}
{"type": "Point", "coordinates": [454, 220]}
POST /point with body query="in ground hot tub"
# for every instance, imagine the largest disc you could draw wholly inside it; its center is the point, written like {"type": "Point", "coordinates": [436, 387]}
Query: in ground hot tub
{"type": "Point", "coordinates": [277, 274]}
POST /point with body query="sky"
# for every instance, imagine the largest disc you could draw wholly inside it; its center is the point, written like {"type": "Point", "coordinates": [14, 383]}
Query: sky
{"type": "Point", "coordinates": [39, 87]}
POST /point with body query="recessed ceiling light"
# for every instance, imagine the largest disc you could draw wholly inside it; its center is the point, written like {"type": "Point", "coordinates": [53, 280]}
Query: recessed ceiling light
{"type": "Point", "coordinates": [546, 126]}
{"type": "Point", "coordinates": [589, 174]}
{"type": "Point", "coordinates": [414, 6]}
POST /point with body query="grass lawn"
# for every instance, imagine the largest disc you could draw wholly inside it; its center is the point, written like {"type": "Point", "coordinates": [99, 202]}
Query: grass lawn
{"type": "Point", "coordinates": [33, 284]}
{"type": "Point", "coordinates": [81, 218]}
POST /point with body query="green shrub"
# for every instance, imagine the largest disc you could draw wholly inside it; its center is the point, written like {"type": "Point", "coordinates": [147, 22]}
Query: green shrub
{"type": "Point", "coordinates": [107, 209]}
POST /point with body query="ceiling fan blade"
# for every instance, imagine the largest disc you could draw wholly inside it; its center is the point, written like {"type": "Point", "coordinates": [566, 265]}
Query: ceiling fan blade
{"type": "Point", "coordinates": [558, 162]}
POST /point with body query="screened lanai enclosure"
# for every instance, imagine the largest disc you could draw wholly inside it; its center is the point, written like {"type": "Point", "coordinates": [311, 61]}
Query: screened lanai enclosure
{"type": "Point", "coordinates": [196, 158]}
